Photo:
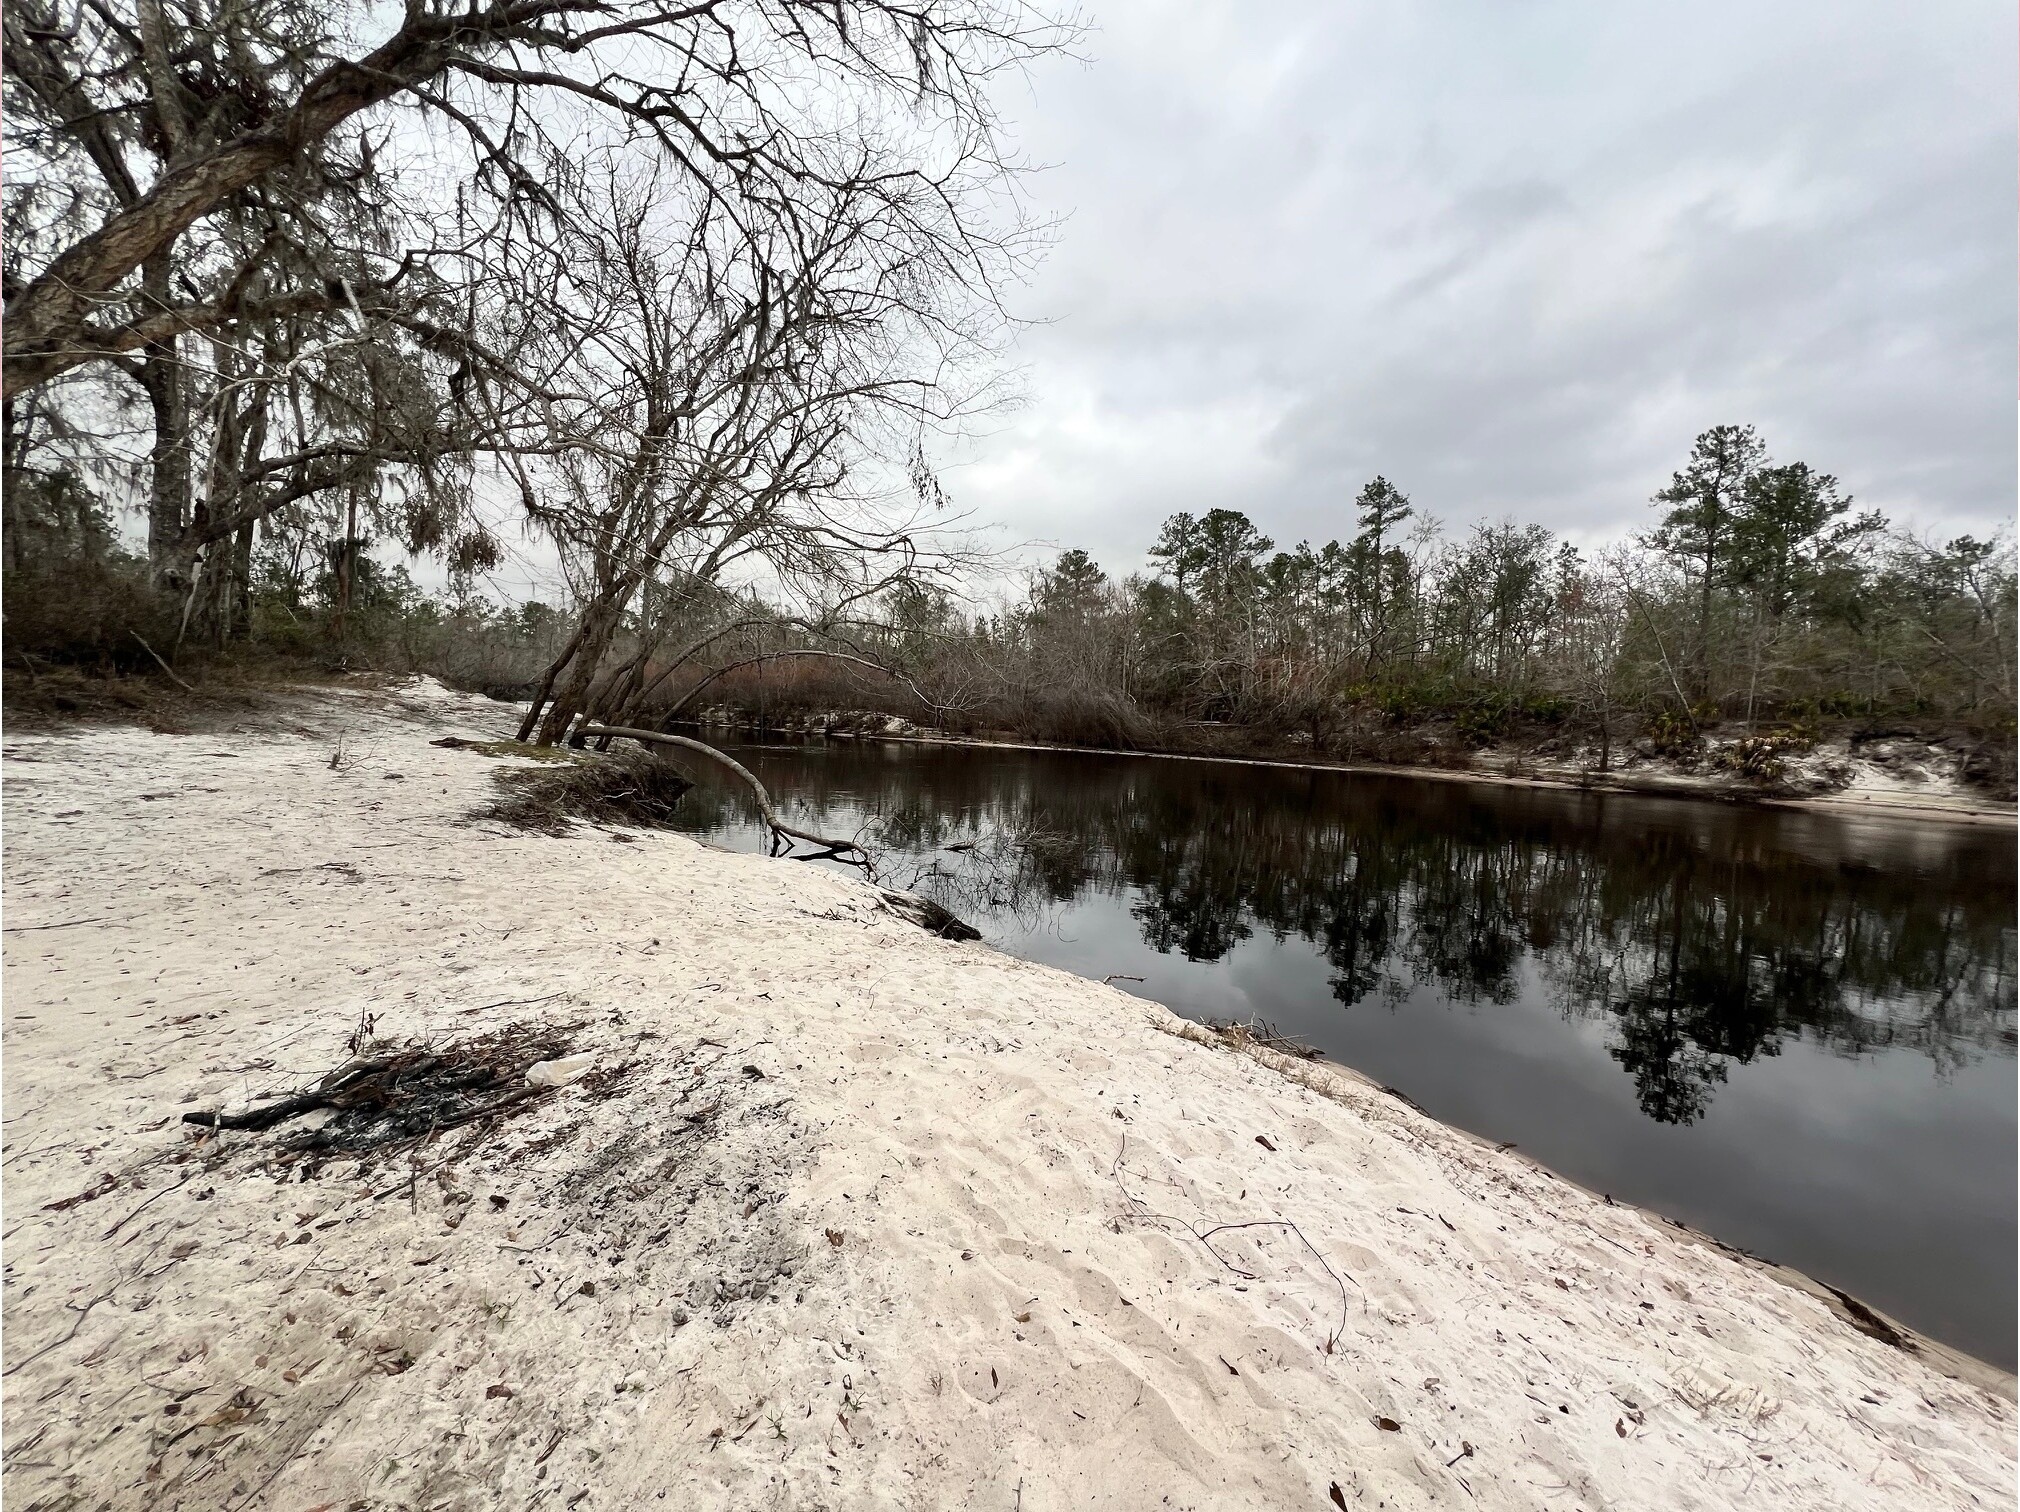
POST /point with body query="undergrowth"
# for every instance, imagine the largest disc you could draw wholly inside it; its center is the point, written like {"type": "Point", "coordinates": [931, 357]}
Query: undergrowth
{"type": "Point", "coordinates": [633, 788]}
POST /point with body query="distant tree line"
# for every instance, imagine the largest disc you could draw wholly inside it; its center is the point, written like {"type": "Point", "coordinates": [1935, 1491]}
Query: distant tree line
{"type": "Point", "coordinates": [1758, 595]}
{"type": "Point", "coordinates": [289, 290]}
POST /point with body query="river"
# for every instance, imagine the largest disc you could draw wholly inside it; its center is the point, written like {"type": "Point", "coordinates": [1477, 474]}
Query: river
{"type": "Point", "coordinates": [1794, 1031]}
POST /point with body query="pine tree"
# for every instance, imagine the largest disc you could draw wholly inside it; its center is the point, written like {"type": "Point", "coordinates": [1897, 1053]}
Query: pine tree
{"type": "Point", "coordinates": [1706, 500]}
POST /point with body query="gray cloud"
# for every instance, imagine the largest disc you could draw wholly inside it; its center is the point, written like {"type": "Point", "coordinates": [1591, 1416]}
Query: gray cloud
{"type": "Point", "coordinates": [1514, 256]}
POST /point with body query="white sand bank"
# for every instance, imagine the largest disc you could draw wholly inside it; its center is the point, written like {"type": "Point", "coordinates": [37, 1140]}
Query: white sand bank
{"type": "Point", "coordinates": [965, 1236]}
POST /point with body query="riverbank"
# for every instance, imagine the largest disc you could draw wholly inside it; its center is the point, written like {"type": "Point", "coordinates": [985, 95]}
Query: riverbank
{"type": "Point", "coordinates": [844, 1215]}
{"type": "Point", "coordinates": [1869, 787]}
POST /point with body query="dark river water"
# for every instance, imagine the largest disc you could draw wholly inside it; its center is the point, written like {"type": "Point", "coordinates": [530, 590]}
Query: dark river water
{"type": "Point", "coordinates": [1793, 1031]}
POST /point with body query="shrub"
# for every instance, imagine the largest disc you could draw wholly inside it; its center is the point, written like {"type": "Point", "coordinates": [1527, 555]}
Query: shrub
{"type": "Point", "coordinates": [1673, 734]}
{"type": "Point", "coordinates": [1756, 758]}
{"type": "Point", "coordinates": [88, 609]}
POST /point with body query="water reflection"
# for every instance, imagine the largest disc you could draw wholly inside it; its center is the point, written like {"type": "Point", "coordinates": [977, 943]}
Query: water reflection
{"type": "Point", "coordinates": [1795, 1031]}
{"type": "Point", "coordinates": [1706, 937]}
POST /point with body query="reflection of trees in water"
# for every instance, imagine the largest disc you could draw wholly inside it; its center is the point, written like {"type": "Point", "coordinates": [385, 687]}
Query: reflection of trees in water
{"type": "Point", "coordinates": [1704, 936]}
{"type": "Point", "coordinates": [975, 861]}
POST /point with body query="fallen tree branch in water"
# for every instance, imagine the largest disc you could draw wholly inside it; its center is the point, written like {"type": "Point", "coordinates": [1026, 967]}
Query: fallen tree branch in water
{"type": "Point", "coordinates": [840, 850]}
{"type": "Point", "coordinates": [924, 912]}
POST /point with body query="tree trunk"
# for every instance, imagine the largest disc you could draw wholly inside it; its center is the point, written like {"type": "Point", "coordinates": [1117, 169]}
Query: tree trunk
{"type": "Point", "coordinates": [600, 623]}
{"type": "Point", "coordinates": [13, 537]}
{"type": "Point", "coordinates": [1704, 624]}
{"type": "Point", "coordinates": [239, 621]}
{"type": "Point", "coordinates": [171, 556]}
{"type": "Point", "coordinates": [544, 689]}
{"type": "Point", "coordinates": [615, 704]}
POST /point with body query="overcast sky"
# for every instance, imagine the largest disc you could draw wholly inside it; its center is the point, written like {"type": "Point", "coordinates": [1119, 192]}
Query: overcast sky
{"type": "Point", "coordinates": [1514, 255]}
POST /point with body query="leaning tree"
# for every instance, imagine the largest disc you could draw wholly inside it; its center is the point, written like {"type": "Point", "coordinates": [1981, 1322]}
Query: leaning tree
{"type": "Point", "coordinates": [742, 475]}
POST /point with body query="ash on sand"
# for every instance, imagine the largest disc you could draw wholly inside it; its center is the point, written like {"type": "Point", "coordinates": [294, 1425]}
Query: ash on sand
{"type": "Point", "coordinates": [390, 1097]}
{"type": "Point", "coordinates": [688, 1153]}
{"type": "Point", "coordinates": [693, 1199]}
{"type": "Point", "coordinates": [647, 1196]}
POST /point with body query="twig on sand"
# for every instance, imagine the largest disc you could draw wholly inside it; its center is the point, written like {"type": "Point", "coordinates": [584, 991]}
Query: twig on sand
{"type": "Point", "coordinates": [414, 1169]}
{"type": "Point", "coordinates": [81, 1312]}
{"type": "Point", "coordinates": [162, 1192]}
{"type": "Point", "coordinates": [288, 1459]}
{"type": "Point", "coordinates": [516, 1002]}
{"type": "Point", "coordinates": [1205, 1236]}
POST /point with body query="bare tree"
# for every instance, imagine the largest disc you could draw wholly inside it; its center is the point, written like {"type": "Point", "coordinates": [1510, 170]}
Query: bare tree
{"type": "Point", "coordinates": [247, 212]}
{"type": "Point", "coordinates": [756, 409]}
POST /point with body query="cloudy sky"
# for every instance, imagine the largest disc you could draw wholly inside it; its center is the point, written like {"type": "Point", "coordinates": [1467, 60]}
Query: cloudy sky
{"type": "Point", "coordinates": [1513, 254]}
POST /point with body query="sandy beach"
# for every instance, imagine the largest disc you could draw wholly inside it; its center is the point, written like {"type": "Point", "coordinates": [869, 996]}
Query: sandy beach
{"type": "Point", "coordinates": [843, 1215]}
